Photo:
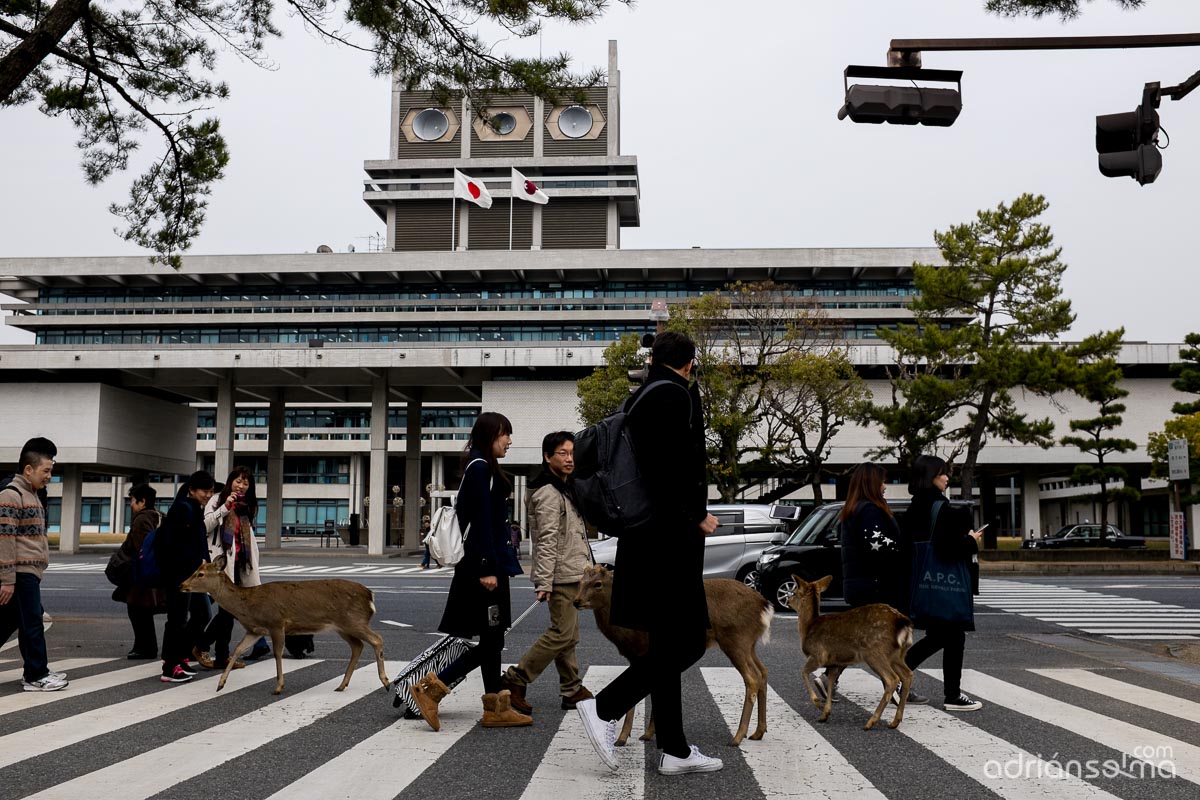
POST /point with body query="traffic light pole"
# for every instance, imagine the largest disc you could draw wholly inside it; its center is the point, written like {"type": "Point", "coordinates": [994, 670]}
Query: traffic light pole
{"type": "Point", "coordinates": [907, 52]}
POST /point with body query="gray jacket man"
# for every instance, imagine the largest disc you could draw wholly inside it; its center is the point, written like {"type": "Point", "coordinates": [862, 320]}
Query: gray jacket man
{"type": "Point", "coordinates": [560, 554]}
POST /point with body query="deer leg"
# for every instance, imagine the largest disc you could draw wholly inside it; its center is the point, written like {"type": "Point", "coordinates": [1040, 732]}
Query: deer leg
{"type": "Point", "coordinates": [233, 657]}
{"type": "Point", "coordinates": [749, 672]}
{"type": "Point", "coordinates": [832, 674]}
{"type": "Point", "coordinates": [649, 734]}
{"type": "Point", "coordinates": [376, 641]}
{"type": "Point", "coordinates": [906, 676]}
{"type": "Point", "coordinates": [356, 647]}
{"type": "Point", "coordinates": [626, 729]}
{"type": "Point", "coordinates": [883, 669]}
{"type": "Point", "coordinates": [277, 646]}
{"type": "Point", "coordinates": [809, 666]}
{"type": "Point", "coordinates": [762, 697]}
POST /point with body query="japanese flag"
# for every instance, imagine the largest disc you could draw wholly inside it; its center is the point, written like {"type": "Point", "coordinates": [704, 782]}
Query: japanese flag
{"type": "Point", "coordinates": [525, 189]}
{"type": "Point", "coordinates": [471, 190]}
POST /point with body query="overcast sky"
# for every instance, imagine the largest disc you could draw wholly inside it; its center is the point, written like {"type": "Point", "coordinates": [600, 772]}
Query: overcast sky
{"type": "Point", "coordinates": [730, 109]}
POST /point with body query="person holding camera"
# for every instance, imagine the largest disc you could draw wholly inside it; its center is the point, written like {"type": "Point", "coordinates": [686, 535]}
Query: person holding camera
{"type": "Point", "coordinates": [228, 518]}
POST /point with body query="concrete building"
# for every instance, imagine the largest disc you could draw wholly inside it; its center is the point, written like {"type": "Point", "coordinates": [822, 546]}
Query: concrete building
{"type": "Point", "coordinates": [349, 381]}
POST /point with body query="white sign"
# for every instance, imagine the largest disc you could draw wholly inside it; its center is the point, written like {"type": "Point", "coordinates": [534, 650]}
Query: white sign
{"type": "Point", "coordinates": [1177, 550]}
{"type": "Point", "coordinates": [1177, 459]}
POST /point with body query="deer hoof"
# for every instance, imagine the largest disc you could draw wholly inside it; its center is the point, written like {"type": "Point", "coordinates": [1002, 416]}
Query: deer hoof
{"type": "Point", "coordinates": [735, 741]}
{"type": "Point", "coordinates": [340, 688]}
{"type": "Point", "coordinates": [894, 724]}
{"type": "Point", "coordinates": [756, 736]}
{"type": "Point", "coordinates": [870, 724]}
{"type": "Point", "coordinates": [825, 718]}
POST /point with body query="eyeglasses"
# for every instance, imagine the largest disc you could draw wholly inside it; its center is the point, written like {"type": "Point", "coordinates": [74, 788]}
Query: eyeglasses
{"type": "Point", "coordinates": [564, 453]}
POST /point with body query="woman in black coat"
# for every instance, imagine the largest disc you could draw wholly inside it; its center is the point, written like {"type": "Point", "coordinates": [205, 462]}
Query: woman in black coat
{"type": "Point", "coordinates": [180, 547]}
{"type": "Point", "coordinates": [876, 557]}
{"type": "Point", "coordinates": [142, 602]}
{"type": "Point", "coordinates": [479, 603]}
{"type": "Point", "coordinates": [952, 539]}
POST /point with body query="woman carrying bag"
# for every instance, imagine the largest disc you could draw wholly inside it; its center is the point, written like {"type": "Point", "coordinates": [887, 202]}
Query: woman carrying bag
{"type": "Point", "coordinates": [143, 602]}
{"type": "Point", "coordinates": [479, 604]}
{"type": "Point", "coordinates": [945, 545]}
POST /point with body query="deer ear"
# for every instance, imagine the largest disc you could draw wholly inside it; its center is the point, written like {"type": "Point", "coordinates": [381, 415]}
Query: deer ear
{"type": "Point", "coordinates": [220, 563]}
{"type": "Point", "coordinates": [823, 584]}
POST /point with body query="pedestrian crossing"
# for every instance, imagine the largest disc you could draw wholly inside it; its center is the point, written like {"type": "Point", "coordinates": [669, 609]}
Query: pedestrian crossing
{"type": "Point", "coordinates": [1093, 612]}
{"type": "Point", "coordinates": [190, 736]}
{"type": "Point", "coordinates": [357, 570]}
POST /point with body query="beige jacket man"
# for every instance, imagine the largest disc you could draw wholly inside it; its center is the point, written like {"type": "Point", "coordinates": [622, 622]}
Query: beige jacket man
{"type": "Point", "coordinates": [560, 554]}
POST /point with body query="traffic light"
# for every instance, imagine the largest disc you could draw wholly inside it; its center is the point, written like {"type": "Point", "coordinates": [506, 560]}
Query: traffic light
{"type": "Point", "coordinates": [901, 105]}
{"type": "Point", "coordinates": [1127, 143]}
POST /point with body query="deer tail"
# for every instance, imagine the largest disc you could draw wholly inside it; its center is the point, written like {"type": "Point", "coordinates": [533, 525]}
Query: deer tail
{"type": "Point", "coordinates": [904, 632]}
{"type": "Point", "coordinates": [768, 613]}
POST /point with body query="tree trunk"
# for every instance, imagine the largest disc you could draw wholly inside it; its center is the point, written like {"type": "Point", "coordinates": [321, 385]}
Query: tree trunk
{"type": "Point", "coordinates": [33, 49]}
{"type": "Point", "coordinates": [1103, 499]}
{"type": "Point", "coordinates": [974, 445]}
{"type": "Point", "coordinates": [818, 495]}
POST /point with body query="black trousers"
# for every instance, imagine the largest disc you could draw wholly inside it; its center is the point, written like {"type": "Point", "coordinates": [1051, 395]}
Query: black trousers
{"type": "Point", "coordinates": [187, 615]}
{"type": "Point", "coordinates": [951, 642]}
{"type": "Point", "coordinates": [659, 675]}
{"type": "Point", "coordinates": [485, 656]}
{"type": "Point", "coordinates": [219, 632]}
{"type": "Point", "coordinates": [145, 638]}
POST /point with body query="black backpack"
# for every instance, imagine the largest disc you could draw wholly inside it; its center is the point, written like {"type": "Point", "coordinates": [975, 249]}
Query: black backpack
{"type": "Point", "coordinates": [608, 483]}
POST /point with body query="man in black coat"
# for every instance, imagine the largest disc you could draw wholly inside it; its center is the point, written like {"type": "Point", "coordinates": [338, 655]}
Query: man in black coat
{"type": "Point", "coordinates": [181, 546]}
{"type": "Point", "coordinates": [658, 583]}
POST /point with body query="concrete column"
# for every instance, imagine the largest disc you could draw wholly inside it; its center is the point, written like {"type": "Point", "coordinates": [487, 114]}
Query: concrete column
{"type": "Point", "coordinates": [412, 472]}
{"type": "Point", "coordinates": [1031, 507]}
{"type": "Point", "coordinates": [539, 129]}
{"type": "Point", "coordinates": [536, 239]}
{"type": "Point", "coordinates": [378, 490]}
{"type": "Point", "coordinates": [356, 483]}
{"type": "Point", "coordinates": [116, 510]}
{"type": "Point", "coordinates": [226, 417]}
{"type": "Point", "coordinates": [437, 471]}
{"type": "Point", "coordinates": [614, 101]}
{"type": "Point", "coordinates": [465, 129]}
{"type": "Point", "coordinates": [464, 223]}
{"type": "Point", "coordinates": [613, 235]}
{"type": "Point", "coordinates": [275, 445]}
{"type": "Point", "coordinates": [72, 508]}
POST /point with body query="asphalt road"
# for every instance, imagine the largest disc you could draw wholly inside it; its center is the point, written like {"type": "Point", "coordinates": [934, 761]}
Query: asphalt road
{"type": "Point", "coordinates": [1082, 703]}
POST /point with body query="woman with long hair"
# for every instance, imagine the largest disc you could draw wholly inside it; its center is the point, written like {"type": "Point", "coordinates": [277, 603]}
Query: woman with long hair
{"type": "Point", "coordinates": [229, 520]}
{"type": "Point", "coordinates": [950, 534]}
{"type": "Point", "coordinates": [479, 603]}
{"type": "Point", "coordinates": [876, 558]}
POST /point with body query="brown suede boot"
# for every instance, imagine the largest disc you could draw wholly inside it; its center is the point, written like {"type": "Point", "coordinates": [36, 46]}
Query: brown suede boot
{"type": "Point", "coordinates": [569, 703]}
{"type": "Point", "coordinates": [498, 712]}
{"type": "Point", "coordinates": [518, 695]}
{"type": "Point", "coordinates": [427, 693]}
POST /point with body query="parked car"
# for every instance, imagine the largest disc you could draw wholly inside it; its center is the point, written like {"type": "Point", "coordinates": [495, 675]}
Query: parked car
{"type": "Point", "coordinates": [812, 552]}
{"type": "Point", "coordinates": [1084, 535]}
{"type": "Point", "coordinates": [732, 550]}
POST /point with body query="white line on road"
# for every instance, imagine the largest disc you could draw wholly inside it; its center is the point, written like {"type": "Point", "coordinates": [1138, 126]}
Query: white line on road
{"type": "Point", "coordinates": [56, 666]}
{"type": "Point", "coordinates": [397, 624]}
{"type": "Point", "coordinates": [79, 686]}
{"type": "Point", "coordinates": [1125, 692]}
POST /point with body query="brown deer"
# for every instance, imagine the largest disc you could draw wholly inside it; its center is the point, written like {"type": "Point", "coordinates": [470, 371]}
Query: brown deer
{"type": "Point", "coordinates": [740, 618]}
{"type": "Point", "coordinates": [876, 635]}
{"type": "Point", "coordinates": [283, 607]}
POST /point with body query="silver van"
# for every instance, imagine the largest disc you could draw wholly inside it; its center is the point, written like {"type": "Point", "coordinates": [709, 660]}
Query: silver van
{"type": "Point", "coordinates": [732, 550]}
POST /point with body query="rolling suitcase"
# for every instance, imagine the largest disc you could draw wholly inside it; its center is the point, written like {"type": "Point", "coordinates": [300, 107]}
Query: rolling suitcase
{"type": "Point", "coordinates": [436, 657]}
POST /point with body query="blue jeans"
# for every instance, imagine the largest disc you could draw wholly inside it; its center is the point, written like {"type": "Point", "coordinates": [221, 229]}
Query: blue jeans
{"type": "Point", "coordinates": [23, 614]}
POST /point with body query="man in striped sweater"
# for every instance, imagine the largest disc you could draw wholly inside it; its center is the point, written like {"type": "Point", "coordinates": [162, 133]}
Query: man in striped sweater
{"type": "Point", "coordinates": [24, 555]}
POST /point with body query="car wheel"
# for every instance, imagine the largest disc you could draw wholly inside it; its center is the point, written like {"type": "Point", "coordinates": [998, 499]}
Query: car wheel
{"type": "Point", "coordinates": [783, 592]}
{"type": "Point", "coordinates": [749, 576]}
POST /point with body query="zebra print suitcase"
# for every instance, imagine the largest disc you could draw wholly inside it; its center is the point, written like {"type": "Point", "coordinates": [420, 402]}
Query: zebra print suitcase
{"type": "Point", "coordinates": [435, 658]}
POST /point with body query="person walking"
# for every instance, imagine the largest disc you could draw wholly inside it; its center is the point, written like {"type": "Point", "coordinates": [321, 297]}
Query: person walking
{"type": "Point", "coordinates": [180, 548]}
{"type": "Point", "coordinates": [24, 556]}
{"type": "Point", "coordinates": [229, 522]}
{"type": "Point", "coordinates": [142, 602]}
{"type": "Point", "coordinates": [560, 554]}
{"type": "Point", "coordinates": [479, 603]}
{"type": "Point", "coordinates": [931, 518]}
{"type": "Point", "coordinates": [667, 430]}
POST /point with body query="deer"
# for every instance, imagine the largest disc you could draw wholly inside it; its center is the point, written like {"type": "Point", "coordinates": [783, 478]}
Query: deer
{"type": "Point", "coordinates": [876, 635]}
{"type": "Point", "coordinates": [283, 607]}
{"type": "Point", "coordinates": [740, 619]}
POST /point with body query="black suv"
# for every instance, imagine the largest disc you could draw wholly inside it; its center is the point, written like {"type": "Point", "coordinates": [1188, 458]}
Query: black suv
{"type": "Point", "coordinates": [813, 551]}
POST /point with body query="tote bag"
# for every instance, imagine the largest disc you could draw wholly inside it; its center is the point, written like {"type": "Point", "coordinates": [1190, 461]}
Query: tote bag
{"type": "Point", "coordinates": [941, 588]}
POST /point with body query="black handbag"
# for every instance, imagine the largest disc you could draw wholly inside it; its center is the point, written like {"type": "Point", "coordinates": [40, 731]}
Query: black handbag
{"type": "Point", "coordinates": [119, 570]}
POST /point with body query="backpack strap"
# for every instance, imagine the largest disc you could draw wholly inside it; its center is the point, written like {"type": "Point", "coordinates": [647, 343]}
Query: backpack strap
{"type": "Point", "coordinates": [650, 386]}
{"type": "Point", "coordinates": [933, 517]}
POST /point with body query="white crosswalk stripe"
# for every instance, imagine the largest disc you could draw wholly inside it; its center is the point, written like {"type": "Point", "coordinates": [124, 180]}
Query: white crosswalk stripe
{"type": "Point", "coordinates": [1092, 612]}
{"type": "Point", "coordinates": [797, 758]}
{"type": "Point", "coordinates": [297, 569]}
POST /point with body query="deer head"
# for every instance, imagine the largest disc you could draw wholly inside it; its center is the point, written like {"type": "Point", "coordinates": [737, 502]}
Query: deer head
{"type": "Point", "coordinates": [207, 578]}
{"type": "Point", "coordinates": [595, 587]}
{"type": "Point", "coordinates": [808, 592]}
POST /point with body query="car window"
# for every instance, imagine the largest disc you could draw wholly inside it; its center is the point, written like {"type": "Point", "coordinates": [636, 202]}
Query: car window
{"type": "Point", "coordinates": [728, 523]}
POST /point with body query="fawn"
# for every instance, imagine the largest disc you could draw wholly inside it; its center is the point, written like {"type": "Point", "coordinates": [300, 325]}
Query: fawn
{"type": "Point", "coordinates": [740, 618]}
{"type": "Point", "coordinates": [876, 634]}
{"type": "Point", "coordinates": [284, 607]}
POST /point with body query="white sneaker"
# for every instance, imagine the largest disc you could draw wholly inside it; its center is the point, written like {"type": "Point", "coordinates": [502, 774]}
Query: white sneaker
{"type": "Point", "coordinates": [49, 683]}
{"type": "Point", "coordinates": [62, 676]}
{"type": "Point", "coordinates": [695, 762]}
{"type": "Point", "coordinates": [602, 734]}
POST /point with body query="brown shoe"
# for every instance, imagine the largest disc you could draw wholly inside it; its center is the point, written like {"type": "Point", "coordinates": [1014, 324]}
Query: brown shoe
{"type": "Point", "coordinates": [568, 703]}
{"type": "Point", "coordinates": [202, 658]}
{"type": "Point", "coordinates": [427, 693]}
{"type": "Point", "coordinates": [224, 662]}
{"type": "Point", "coordinates": [498, 712]}
{"type": "Point", "coordinates": [518, 695]}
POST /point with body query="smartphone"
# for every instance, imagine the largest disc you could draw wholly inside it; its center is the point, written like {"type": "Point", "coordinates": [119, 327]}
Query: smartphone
{"type": "Point", "coordinates": [981, 527]}
{"type": "Point", "coordinates": [493, 616]}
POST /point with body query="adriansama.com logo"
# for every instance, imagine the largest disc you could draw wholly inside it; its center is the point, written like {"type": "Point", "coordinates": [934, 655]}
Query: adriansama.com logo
{"type": "Point", "coordinates": [1145, 761]}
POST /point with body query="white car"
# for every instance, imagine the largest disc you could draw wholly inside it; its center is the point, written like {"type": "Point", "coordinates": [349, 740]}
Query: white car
{"type": "Point", "coordinates": [732, 550]}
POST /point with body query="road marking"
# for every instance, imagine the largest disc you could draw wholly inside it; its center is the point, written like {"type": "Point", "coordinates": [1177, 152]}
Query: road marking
{"type": "Point", "coordinates": [157, 770]}
{"type": "Point", "coordinates": [383, 765]}
{"type": "Point", "coordinates": [570, 767]}
{"type": "Point", "coordinates": [55, 666]}
{"type": "Point", "coordinates": [1125, 692]}
{"type": "Point", "coordinates": [397, 624]}
{"type": "Point", "coordinates": [79, 686]}
{"type": "Point", "coordinates": [107, 719]}
{"type": "Point", "coordinates": [821, 772]}
{"type": "Point", "coordinates": [1110, 732]}
{"type": "Point", "coordinates": [975, 753]}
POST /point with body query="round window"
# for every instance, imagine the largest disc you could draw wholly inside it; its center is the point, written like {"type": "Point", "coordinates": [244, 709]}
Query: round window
{"type": "Point", "coordinates": [503, 123]}
{"type": "Point", "coordinates": [431, 125]}
{"type": "Point", "coordinates": [575, 122]}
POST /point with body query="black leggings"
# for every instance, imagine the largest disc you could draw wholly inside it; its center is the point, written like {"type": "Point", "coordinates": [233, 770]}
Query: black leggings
{"type": "Point", "coordinates": [485, 655]}
{"type": "Point", "coordinates": [952, 642]}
